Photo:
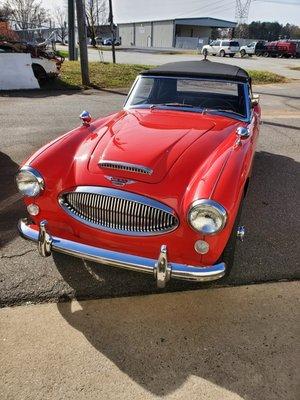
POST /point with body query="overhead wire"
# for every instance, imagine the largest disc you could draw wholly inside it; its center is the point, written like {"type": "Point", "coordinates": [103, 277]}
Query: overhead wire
{"type": "Point", "coordinates": [208, 8]}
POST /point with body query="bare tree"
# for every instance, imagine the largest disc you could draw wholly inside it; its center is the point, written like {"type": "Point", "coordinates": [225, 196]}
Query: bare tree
{"type": "Point", "coordinates": [96, 14]}
{"type": "Point", "coordinates": [5, 13]}
{"type": "Point", "coordinates": [60, 17]}
{"type": "Point", "coordinates": [28, 13]}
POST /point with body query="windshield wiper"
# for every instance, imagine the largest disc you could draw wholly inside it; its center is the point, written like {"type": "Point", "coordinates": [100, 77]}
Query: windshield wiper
{"type": "Point", "coordinates": [222, 110]}
{"type": "Point", "coordinates": [173, 105]}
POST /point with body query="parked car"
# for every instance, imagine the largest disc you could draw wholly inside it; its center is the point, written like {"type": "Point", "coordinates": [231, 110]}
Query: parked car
{"type": "Point", "coordinates": [281, 48]}
{"type": "Point", "coordinates": [107, 41]}
{"type": "Point", "coordinates": [157, 187]}
{"type": "Point", "coordinates": [257, 48]}
{"type": "Point", "coordinates": [221, 48]}
{"type": "Point", "coordinates": [46, 64]}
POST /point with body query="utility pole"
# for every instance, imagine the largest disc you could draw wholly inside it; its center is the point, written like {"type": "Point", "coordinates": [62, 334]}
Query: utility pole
{"type": "Point", "coordinates": [82, 42]}
{"type": "Point", "coordinates": [113, 36]}
{"type": "Point", "coordinates": [71, 31]}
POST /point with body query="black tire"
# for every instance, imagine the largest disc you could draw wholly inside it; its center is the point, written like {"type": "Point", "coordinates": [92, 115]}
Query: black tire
{"type": "Point", "coordinates": [243, 53]}
{"type": "Point", "coordinates": [229, 251]}
{"type": "Point", "coordinates": [39, 73]}
{"type": "Point", "coordinates": [222, 53]}
{"type": "Point", "coordinates": [231, 55]}
{"type": "Point", "coordinates": [205, 52]}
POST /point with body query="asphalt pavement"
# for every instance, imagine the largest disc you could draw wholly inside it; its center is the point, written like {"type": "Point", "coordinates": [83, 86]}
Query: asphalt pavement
{"type": "Point", "coordinates": [271, 251]}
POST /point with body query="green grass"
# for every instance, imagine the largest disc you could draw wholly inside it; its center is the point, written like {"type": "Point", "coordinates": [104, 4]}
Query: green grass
{"type": "Point", "coordinates": [295, 68]}
{"type": "Point", "coordinates": [111, 76]}
{"type": "Point", "coordinates": [265, 77]}
{"type": "Point", "coordinates": [102, 75]}
{"type": "Point", "coordinates": [62, 53]}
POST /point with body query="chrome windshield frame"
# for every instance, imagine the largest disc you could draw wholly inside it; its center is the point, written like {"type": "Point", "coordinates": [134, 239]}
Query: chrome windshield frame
{"type": "Point", "coordinates": [246, 91]}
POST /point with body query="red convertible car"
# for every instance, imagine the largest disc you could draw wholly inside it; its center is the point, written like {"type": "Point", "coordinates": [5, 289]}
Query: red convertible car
{"type": "Point", "coordinates": [157, 187]}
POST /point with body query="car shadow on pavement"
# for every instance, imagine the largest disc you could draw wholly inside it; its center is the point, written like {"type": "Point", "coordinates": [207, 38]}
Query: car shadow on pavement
{"type": "Point", "coordinates": [11, 208]}
{"type": "Point", "coordinates": [232, 340]}
{"type": "Point", "coordinates": [161, 344]}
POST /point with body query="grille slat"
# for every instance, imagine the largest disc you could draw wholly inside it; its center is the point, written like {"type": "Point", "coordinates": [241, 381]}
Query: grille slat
{"type": "Point", "coordinates": [118, 213]}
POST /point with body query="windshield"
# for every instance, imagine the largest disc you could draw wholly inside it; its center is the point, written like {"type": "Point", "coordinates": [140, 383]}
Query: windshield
{"type": "Point", "coordinates": [187, 94]}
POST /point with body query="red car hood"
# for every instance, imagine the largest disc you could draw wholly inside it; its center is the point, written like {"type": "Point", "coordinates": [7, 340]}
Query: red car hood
{"type": "Point", "coordinates": [153, 139]}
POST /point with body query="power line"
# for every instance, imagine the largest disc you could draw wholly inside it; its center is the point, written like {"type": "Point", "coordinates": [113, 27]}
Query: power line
{"type": "Point", "coordinates": [208, 8]}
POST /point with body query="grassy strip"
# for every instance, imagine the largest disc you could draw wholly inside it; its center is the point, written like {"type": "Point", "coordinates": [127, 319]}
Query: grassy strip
{"type": "Point", "coordinates": [62, 53]}
{"type": "Point", "coordinates": [265, 77]}
{"type": "Point", "coordinates": [106, 75]}
{"type": "Point", "coordinates": [102, 75]}
{"type": "Point", "coordinates": [295, 68]}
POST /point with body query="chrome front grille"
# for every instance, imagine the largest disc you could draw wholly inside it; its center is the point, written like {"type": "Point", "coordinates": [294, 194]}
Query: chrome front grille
{"type": "Point", "coordinates": [139, 169]}
{"type": "Point", "coordinates": [119, 211]}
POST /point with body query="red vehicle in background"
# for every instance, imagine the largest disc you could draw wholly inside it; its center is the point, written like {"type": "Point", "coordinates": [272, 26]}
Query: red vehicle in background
{"type": "Point", "coordinates": [281, 48]}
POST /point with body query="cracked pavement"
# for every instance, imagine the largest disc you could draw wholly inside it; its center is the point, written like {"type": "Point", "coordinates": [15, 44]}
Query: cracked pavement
{"type": "Point", "coordinates": [271, 212]}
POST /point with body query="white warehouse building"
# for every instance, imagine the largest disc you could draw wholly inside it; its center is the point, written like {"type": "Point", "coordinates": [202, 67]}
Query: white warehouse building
{"type": "Point", "coordinates": [188, 33]}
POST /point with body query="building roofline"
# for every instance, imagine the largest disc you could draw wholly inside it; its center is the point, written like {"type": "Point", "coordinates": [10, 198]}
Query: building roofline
{"type": "Point", "coordinates": [174, 20]}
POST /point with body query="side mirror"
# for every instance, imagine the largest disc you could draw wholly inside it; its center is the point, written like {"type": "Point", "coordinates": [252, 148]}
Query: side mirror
{"type": "Point", "coordinates": [86, 118]}
{"type": "Point", "coordinates": [255, 100]}
{"type": "Point", "coordinates": [242, 133]}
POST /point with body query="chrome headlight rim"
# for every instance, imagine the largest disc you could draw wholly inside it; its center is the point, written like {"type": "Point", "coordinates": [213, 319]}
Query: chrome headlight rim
{"type": "Point", "coordinates": [208, 203]}
{"type": "Point", "coordinates": [37, 176]}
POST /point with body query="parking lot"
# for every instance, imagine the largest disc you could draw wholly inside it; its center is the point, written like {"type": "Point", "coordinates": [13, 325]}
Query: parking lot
{"type": "Point", "coordinates": [271, 213]}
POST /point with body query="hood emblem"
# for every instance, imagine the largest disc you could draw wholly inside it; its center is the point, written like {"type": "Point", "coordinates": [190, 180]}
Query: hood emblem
{"type": "Point", "coordinates": [119, 181]}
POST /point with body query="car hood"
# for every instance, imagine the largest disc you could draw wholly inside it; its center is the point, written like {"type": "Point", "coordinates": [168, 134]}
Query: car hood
{"type": "Point", "coordinates": [144, 144]}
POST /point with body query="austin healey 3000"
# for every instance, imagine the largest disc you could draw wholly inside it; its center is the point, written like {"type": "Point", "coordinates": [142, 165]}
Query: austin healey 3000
{"type": "Point", "coordinates": [156, 187]}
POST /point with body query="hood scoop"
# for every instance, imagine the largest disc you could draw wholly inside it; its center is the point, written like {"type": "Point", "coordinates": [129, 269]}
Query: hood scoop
{"type": "Point", "coordinates": [123, 166]}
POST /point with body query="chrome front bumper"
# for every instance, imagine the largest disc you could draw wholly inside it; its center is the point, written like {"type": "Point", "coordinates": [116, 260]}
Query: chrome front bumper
{"type": "Point", "coordinates": [161, 269]}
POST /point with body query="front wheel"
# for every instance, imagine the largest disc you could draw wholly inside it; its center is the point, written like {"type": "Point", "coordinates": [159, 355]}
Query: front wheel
{"type": "Point", "coordinates": [205, 52]}
{"type": "Point", "coordinates": [39, 73]}
{"type": "Point", "coordinates": [222, 53]}
{"type": "Point", "coordinates": [229, 251]}
{"type": "Point", "coordinates": [243, 53]}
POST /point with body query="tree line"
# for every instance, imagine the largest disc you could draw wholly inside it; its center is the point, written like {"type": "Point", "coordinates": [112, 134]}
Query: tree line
{"type": "Point", "coordinates": [267, 31]}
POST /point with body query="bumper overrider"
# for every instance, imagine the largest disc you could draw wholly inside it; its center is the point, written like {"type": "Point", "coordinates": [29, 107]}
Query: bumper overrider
{"type": "Point", "coordinates": [161, 269]}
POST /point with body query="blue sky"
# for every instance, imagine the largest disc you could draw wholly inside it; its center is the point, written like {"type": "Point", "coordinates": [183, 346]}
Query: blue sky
{"type": "Point", "coordinates": [282, 11]}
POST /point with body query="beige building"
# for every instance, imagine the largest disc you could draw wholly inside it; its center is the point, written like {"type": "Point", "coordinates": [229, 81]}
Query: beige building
{"type": "Point", "coordinates": [189, 33]}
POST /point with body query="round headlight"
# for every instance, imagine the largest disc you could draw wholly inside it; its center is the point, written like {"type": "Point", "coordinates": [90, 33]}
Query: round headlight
{"type": "Point", "coordinates": [207, 216]}
{"type": "Point", "coordinates": [29, 182]}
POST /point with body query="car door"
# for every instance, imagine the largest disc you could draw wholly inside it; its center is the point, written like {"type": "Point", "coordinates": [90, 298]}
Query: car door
{"type": "Point", "coordinates": [216, 47]}
{"type": "Point", "coordinates": [210, 47]}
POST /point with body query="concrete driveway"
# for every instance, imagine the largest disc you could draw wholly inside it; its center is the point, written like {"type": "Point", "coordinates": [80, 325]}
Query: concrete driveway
{"type": "Point", "coordinates": [221, 344]}
{"type": "Point", "coordinates": [271, 213]}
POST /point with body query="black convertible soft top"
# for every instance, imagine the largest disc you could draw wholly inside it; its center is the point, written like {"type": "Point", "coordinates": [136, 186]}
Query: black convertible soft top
{"type": "Point", "coordinates": [202, 68]}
